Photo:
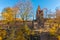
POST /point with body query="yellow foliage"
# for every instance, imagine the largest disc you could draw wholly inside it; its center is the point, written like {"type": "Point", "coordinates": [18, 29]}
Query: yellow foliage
{"type": "Point", "coordinates": [27, 30]}
{"type": "Point", "coordinates": [52, 30]}
{"type": "Point", "coordinates": [8, 14]}
{"type": "Point", "coordinates": [2, 34]}
{"type": "Point", "coordinates": [58, 37]}
{"type": "Point", "coordinates": [0, 38]}
{"type": "Point", "coordinates": [32, 32]}
{"type": "Point", "coordinates": [8, 17]}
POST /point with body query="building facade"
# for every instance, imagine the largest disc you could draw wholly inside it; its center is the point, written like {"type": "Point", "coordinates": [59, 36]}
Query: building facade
{"type": "Point", "coordinates": [39, 17]}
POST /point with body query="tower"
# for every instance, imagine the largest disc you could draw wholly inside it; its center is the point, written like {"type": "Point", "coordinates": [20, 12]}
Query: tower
{"type": "Point", "coordinates": [39, 17]}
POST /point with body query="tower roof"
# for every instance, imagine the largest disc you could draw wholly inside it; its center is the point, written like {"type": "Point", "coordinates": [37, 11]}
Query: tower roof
{"type": "Point", "coordinates": [39, 8]}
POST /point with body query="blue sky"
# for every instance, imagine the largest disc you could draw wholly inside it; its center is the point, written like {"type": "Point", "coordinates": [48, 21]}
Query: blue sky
{"type": "Point", "coordinates": [7, 3]}
{"type": "Point", "coordinates": [49, 4]}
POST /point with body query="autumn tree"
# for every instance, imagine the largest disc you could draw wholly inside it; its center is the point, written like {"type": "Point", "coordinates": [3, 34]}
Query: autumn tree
{"type": "Point", "coordinates": [7, 14]}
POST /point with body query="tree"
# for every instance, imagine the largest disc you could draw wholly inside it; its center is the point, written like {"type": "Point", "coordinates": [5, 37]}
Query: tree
{"type": "Point", "coordinates": [3, 34]}
{"type": "Point", "coordinates": [7, 14]}
{"type": "Point", "coordinates": [25, 9]}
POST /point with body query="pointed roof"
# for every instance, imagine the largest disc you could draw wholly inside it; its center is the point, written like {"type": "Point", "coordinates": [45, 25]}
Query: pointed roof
{"type": "Point", "coordinates": [39, 8]}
